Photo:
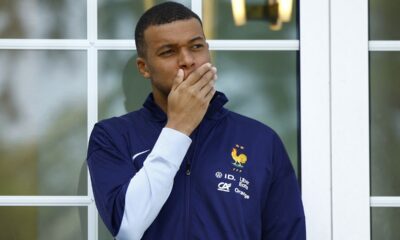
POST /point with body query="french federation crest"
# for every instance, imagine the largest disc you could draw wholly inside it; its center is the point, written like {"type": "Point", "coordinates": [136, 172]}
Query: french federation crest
{"type": "Point", "coordinates": [239, 159]}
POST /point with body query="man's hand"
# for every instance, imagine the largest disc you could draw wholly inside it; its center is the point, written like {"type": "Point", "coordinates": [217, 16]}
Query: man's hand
{"type": "Point", "coordinates": [189, 99]}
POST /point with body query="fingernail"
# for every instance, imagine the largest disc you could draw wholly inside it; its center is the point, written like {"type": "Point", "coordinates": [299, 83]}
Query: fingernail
{"type": "Point", "coordinates": [215, 77]}
{"type": "Point", "coordinates": [214, 69]}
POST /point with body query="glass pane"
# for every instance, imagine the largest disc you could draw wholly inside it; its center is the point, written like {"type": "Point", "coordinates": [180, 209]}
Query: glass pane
{"type": "Point", "coordinates": [263, 86]}
{"type": "Point", "coordinates": [385, 123]}
{"type": "Point", "coordinates": [384, 19]}
{"type": "Point", "coordinates": [385, 223]}
{"type": "Point", "coordinates": [117, 19]}
{"type": "Point", "coordinates": [43, 223]}
{"type": "Point", "coordinates": [104, 234]}
{"type": "Point", "coordinates": [218, 19]}
{"type": "Point", "coordinates": [121, 87]}
{"type": "Point", "coordinates": [42, 19]}
{"type": "Point", "coordinates": [43, 122]}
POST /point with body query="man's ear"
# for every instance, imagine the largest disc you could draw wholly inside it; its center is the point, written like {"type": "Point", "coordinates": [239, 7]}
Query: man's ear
{"type": "Point", "coordinates": [142, 66]}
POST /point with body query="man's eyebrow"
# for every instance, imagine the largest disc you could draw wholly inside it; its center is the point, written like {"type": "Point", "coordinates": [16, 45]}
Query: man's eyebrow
{"type": "Point", "coordinates": [196, 38]}
{"type": "Point", "coordinates": [165, 46]}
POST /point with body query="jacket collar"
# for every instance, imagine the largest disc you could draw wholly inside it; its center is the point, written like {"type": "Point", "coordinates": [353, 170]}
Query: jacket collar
{"type": "Point", "coordinates": [215, 109]}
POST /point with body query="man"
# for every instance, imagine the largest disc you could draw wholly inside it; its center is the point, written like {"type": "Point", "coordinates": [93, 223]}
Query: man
{"type": "Point", "coordinates": [184, 167]}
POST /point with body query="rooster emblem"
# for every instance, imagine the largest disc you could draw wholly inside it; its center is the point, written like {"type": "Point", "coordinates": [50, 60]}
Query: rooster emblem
{"type": "Point", "coordinates": [239, 160]}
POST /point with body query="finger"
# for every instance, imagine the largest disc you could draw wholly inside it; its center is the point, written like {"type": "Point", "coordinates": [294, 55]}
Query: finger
{"type": "Point", "coordinates": [178, 79]}
{"type": "Point", "coordinates": [196, 75]}
{"type": "Point", "coordinates": [205, 79]}
{"type": "Point", "coordinates": [210, 95]}
{"type": "Point", "coordinates": [207, 88]}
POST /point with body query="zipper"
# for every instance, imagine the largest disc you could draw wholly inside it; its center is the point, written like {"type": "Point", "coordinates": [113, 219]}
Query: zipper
{"type": "Point", "coordinates": [187, 203]}
{"type": "Point", "coordinates": [188, 170]}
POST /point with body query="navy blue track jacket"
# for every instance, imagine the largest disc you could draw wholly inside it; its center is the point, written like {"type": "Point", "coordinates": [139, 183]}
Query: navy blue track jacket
{"type": "Point", "coordinates": [235, 181]}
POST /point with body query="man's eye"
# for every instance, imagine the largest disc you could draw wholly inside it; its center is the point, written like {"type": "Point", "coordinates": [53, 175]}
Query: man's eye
{"type": "Point", "coordinates": [167, 52]}
{"type": "Point", "coordinates": [197, 46]}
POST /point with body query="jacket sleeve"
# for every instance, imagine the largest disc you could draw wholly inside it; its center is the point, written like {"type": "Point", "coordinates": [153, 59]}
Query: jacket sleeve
{"type": "Point", "coordinates": [283, 214]}
{"type": "Point", "coordinates": [129, 201]}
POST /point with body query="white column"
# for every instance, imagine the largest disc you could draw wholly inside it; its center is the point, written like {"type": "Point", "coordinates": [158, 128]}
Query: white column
{"type": "Point", "coordinates": [350, 120]}
{"type": "Point", "coordinates": [315, 117]}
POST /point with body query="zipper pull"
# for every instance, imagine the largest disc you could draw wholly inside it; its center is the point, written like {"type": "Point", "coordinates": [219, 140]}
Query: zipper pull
{"type": "Point", "coordinates": [187, 168]}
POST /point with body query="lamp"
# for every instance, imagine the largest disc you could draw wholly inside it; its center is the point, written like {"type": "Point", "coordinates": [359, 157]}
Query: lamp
{"type": "Point", "coordinates": [276, 12]}
{"type": "Point", "coordinates": [239, 12]}
{"type": "Point", "coordinates": [285, 9]}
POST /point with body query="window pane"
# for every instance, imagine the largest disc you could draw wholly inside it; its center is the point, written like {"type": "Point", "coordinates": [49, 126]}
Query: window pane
{"type": "Point", "coordinates": [385, 123]}
{"type": "Point", "coordinates": [385, 223]}
{"type": "Point", "coordinates": [117, 19]}
{"type": "Point", "coordinates": [121, 88]}
{"type": "Point", "coordinates": [263, 86]}
{"type": "Point", "coordinates": [43, 223]}
{"type": "Point", "coordinates": [384, 19]}
{"type": "Point", "coordinates": [104, 234]}
{"type": "Point", "coordinates": [43, 19]}
{"type": "Point", "coordinates": [42, 122]}
{"type": "Point", "coordinates": [219, 22]}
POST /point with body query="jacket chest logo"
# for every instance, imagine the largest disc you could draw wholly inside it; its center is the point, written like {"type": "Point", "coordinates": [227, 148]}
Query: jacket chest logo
{"type": "Point", "coordinates": [234, 182]}
{"type": "Point", "coordinates": [226, 181]}
{"type": "Point", "coordinates": [239, 158]}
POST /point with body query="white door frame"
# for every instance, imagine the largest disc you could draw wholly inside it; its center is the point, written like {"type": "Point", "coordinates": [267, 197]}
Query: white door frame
{"type": "Point", "coordinates": [335, 118]}
{"type": "Point", "coordinates": [315, 117]}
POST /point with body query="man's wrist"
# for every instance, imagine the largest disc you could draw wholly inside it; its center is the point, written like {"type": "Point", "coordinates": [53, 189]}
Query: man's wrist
{"type": "Point", "coordinates": [179, 127]}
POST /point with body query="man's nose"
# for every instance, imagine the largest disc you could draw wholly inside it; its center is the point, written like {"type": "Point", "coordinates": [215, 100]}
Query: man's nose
{"type": "Point", "coordinates": [186, 59]}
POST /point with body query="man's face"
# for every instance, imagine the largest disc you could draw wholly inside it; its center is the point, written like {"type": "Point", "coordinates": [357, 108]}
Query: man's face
{"type": "Point", "coordinates": [169, 47]}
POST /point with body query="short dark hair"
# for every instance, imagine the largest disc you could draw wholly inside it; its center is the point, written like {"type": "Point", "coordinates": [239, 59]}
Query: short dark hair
{"type": "Point", "coordinates": [160, 14]}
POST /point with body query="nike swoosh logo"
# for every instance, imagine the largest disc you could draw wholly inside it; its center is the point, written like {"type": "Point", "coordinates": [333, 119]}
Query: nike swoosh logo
{"type": "Point", "coordinates": [138, 154]}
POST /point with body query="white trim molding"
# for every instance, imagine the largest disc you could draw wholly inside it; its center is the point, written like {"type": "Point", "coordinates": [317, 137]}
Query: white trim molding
{"type": "Point", "coordinates": [92, 104]}
{"type": "Point", "coordinates": [350, 120]}
{"type": "Point", "coordinates": [197, 7]}
{"type": "Point", "coordinates": [64, 44]}
{"type": "Point", "coordinates": [384, 45]}
{"type": "Point", "coordinates": [105, 44]}
{"type": "Point", "coordinates": [255, 45]}
{"type": "Point", "coordinates": [315, 118]}
{"type": "Point", "coordinates": [126, 44]}
{"type": "Point", "coordinates": [46, 201]}
{"type": "Point", "coordinates": [385, 201]}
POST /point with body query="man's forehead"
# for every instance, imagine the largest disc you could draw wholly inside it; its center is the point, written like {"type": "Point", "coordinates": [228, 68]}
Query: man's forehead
{"type": "Point", "coordinates": [174, 33]}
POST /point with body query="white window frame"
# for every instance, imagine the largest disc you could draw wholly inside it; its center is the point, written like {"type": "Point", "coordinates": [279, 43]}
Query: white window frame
{"type": "Point", "coordinates": [381, 46]}
{"type": "Point", "coordinates": [334, 106]}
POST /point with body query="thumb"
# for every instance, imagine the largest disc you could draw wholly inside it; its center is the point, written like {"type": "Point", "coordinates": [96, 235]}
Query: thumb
{"type": "Point", "coordinates": [178, 79]}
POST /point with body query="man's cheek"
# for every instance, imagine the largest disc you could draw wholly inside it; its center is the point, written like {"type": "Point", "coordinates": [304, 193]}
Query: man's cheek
{"type": "Point", "coordinates": [207, 57]}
